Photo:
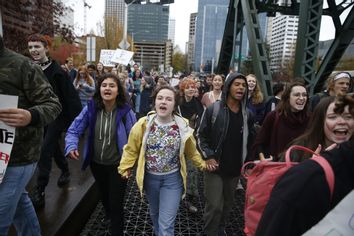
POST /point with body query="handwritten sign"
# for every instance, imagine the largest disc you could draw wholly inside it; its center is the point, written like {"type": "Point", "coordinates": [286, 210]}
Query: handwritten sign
{"type": "Point", "coordinates": [7, 134]}
{"type": "Point", "coordinates": [106, 56]}
{"type": "Point", "coordinates": [122, 56]}
{"type": "Point", "coordinates": [339, 221]}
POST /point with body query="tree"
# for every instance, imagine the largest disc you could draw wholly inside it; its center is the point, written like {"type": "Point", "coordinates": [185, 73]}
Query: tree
{"type": "Point", "coordinates": [179, 60]}
{"type": "Point", "coordinates": [22, 18]}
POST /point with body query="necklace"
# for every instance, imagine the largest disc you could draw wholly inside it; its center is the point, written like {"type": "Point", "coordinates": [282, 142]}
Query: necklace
{"type": "Point", "coordinates": [43, 64]}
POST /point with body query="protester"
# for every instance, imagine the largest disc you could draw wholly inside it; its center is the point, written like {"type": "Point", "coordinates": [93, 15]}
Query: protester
{"type": "Point", "coordinates": [84, 85]}
{"type": "Point", "coordinates": [340, 83]}
{"type": "Point", "coordinates": [192, 109]}
{"type": "Point", "coordinates": [146, 88]}
{"type": "Point", "coordinates": [224, 136]}
{"type": "Point", "coordinates": [38, 46]}
{"type": "Point", "coordinates": [108, 119]}
{"type": "Point", "coordinates": [255, 99]}
{"type": "Point", "coordinates": [325, 128]}
{"type": "Point", "coordinates": [215, 92]}
{"type": "Point", "coordinates": [271, 104]}
{"type": "Point", "coordinates": [37, 106]}
{"type": "Point", "coordinates": [281, 126]}
{"type": "Point", "coordinates": [69, 65]}
{"type": "Point", "coordinates": [159, 143]}
{"type": "Point", "coordinates": [301, 198]}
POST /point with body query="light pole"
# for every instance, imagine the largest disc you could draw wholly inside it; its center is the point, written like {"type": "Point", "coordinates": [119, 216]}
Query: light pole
{"type": "Point", "coordinates": [126, 6]}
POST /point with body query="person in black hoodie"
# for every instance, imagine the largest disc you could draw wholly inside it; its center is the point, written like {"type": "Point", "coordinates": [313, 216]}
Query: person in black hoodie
{"type": "Point", "coordinates": [38, 46]}
{"type": "Point", "coordinates": [301, 197]}
{"type": "Point", "coordinates": [224, 136]}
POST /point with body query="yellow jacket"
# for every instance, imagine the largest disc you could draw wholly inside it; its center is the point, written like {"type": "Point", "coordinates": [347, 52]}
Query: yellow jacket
{"type": "Point", "coordinates": [135, 149]}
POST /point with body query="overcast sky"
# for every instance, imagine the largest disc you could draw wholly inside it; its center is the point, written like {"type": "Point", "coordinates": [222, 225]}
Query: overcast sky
{"type": "Point", "coordinates": [180, 11]}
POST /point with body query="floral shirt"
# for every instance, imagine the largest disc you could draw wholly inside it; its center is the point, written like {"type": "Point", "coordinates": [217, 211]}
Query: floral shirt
{"type": "Point", "coordinates": [162, 148]}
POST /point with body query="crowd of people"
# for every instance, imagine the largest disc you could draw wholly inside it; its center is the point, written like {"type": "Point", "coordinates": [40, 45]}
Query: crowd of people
{"type": "Point", "coordinates": [135, 123]}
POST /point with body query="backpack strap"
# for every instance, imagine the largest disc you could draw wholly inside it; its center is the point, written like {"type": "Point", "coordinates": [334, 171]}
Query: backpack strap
{"type": "Point", "coordinates": [328, 172]}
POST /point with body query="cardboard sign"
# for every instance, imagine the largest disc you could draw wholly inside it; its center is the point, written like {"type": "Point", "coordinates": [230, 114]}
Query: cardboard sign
{"type": "Point", "coordinates": [122, 56]}
{"type": "Point", "coordinates": [7, 134]}
{"type": "Point", "coordinates": [106, 56]}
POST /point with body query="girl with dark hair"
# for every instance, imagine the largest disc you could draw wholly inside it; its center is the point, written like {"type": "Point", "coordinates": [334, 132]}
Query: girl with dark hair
{"type": "Point", "coordinates": [108, 119]}
{"type": "Point", "coordinates": [160, 143]}
{"type": "Point", "coordinates": [284, 124]}
{"type": "Point", "coordinates": [301, 197]}
{"type": "Point", "coordinates": [325, 128]}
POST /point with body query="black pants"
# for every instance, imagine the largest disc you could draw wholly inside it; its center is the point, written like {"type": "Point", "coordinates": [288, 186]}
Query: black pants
{"type": "Point", "coordinates": [50, 149]}
{"type": "Point", "coordinates": [112, 189]}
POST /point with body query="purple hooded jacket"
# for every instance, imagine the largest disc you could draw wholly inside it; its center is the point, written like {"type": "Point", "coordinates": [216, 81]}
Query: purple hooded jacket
{"type": "Point", "coordinates": [87, 119]}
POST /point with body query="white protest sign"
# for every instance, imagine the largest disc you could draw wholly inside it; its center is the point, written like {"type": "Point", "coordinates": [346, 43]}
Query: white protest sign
{"type": "Point", "coordinates": [339, 221]}
{"type": "Point", "coordinates": [122, 56]}
{"type": "Point", "coordinates": [7, 134]}
{"type": "Point", "coordinates": [106, 56]}
{"type": "Point", "coordinates": [174, 82]}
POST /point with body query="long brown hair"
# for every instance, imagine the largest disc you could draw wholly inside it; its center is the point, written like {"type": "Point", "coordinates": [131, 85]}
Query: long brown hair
{"type": "Point", "coordinates": [88, 79]}
{"type": "Point", "coordinates": [284, 106]}
{"type": "Point", "coordinates": [314, 134]}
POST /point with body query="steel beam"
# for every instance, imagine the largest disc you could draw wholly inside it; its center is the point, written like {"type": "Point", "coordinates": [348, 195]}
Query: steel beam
{"type": "Point", "coordinates": [257, 46]}
{"type": "Point", "coordinates": [307, 40]}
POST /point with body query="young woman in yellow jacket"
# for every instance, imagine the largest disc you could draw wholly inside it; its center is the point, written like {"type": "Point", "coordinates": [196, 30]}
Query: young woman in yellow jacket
{"type": "Point", "coordinates": [159, 143]}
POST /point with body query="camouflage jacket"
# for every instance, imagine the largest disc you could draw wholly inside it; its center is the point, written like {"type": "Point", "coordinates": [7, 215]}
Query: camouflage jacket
{"type": "Point", "coordinates": [20, 77]}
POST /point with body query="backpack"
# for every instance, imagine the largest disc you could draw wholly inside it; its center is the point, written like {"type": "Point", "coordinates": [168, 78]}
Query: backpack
{"type": "Point", "coordinates": [261, 180]}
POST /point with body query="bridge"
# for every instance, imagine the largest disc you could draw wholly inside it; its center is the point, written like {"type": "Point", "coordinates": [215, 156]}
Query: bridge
{"type": "Point", "coordinates": [244, 13]}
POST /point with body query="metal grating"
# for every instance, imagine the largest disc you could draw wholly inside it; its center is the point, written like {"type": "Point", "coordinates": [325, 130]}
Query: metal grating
{"type": "Point", "coordinates": [138, 221]}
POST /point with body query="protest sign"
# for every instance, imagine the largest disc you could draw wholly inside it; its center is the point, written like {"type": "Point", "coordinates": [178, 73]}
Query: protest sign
{"type": "Point", "coordinates": [106, 56]}
{"type": "Point", "coordinates": [122, 56]}
{"type": "Point", "coordinates": [7, 134]}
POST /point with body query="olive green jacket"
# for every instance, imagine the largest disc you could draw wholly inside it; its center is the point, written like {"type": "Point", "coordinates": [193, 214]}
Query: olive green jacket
{"type": "Point", "coordinates": [21, 77]}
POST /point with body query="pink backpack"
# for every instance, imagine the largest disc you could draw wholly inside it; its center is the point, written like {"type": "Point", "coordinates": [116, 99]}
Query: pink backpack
{"type": "Point", "coordinates": [261, 180]}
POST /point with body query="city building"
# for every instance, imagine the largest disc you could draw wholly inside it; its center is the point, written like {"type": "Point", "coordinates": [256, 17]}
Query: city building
{"type": "Point", "coordinates": [154, 56]}
{"type": "Point", "coordinates": [191, 41]}
{"type": "Point", "coordinates": [148, 22]}
{"type": "Point", "coordinates": [172, 30]}
{"type": "Point", "coordinates": [67, 19]}
{"type": "Point", "coordinates": [211, 18]}
{"type": "Point", "coordinates": [282, 41]}
{"type": "Point", "coordinates": [148, 25]}
{"type": "Point", "coordinates": [115, 9]}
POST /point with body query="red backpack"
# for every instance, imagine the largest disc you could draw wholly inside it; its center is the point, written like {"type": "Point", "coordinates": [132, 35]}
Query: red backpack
{"type": "Point", "coordinates": [261, 180]}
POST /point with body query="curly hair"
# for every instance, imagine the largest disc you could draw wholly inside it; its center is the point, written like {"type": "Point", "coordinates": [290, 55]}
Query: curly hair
{"type": "Point", "coordinates": [121, 99]}
{"type": "Point", "coordinates": [343, 101]}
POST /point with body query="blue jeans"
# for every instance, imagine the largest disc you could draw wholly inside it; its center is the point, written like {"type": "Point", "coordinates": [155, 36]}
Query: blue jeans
{"type": "Point", "coordinates": [15, 205]}
{"type": "Point", "coordinates": [164, 194]}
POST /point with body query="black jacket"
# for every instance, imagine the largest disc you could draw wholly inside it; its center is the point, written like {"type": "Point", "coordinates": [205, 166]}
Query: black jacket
{"type": "Point", "coordinates": [301, 198]}
{"type": "Point", "coordinates": [64, 89]}
{"type": "Point", "coordinates": [211, 135]}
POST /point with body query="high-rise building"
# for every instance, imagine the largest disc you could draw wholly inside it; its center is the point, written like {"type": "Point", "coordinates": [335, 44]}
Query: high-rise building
{"type": "Point", "coordinates": [283, 41]}
{"type": "Point", "coordinates": [210, 28]}
{"type": "Point", "coordinates": [191, 40]}
{"type": "Point", "coordinates": [172, 30]}
{"type": "Point", "coordinates": [115, 8]}
{"type": "Point", "coordinates": [148, 22]}
{"type": "Point", "coordinates": [67, 19]}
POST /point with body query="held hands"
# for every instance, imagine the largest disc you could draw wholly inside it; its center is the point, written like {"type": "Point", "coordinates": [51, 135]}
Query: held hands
{"type": "Point", "coordinates": [74, 154]}
{"type": "Point", "coordinates": [212, 165]}
{"type": "Point", "coordinates": [262, 158]}
{"type": "Point", "coordinates": [15, 117]}
{"type": "Point", "coordinates": [129, 174]}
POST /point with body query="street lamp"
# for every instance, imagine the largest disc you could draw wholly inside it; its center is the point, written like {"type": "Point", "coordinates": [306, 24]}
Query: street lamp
{"type": "Point", "coordinates": [126, 22]}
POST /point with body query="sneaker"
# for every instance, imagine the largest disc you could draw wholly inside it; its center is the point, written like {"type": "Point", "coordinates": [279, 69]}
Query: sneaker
{"type": "Point", "coordinates": [38, 198]}
{"type": "Point", "coordinates": [64, 179]}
